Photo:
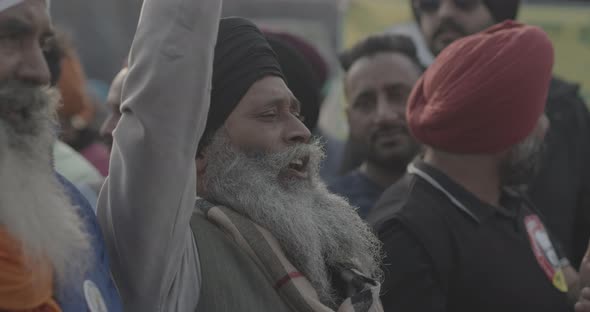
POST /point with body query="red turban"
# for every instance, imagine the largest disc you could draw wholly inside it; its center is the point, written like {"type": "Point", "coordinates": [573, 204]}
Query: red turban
{"type": "Point", "coordinates": [484, 93]}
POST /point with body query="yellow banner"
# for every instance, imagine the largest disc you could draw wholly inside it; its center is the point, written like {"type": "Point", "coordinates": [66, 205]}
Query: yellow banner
{"type": "Point", "coordinates": [569, 29]}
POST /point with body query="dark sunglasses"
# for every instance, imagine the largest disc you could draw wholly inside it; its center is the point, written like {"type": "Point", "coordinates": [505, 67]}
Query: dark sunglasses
{"type": "Point", "coordinates": [431, 6]}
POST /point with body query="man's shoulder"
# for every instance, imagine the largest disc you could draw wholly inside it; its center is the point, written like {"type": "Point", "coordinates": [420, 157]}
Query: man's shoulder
{"type": "Point", "coordinates": [409, 200]}
{"type": "Point", "coordinates": [569, 117]}
{"type": "Point", "coordinates": [564, 96]}
{"type": "Point", "coordinates": [352, 182]}
{"type": "Point", "coordinates": [394, 199]}
{"type": "Point", "coordinates": [412, 216]}
{"type": "Point", "coordinates": [561, 88]}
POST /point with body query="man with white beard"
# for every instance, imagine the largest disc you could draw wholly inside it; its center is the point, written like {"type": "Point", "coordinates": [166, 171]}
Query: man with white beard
{"type": "Point", "coordinates": [267, 236]}
{"type": "Point", "coordinates": [51, 253]}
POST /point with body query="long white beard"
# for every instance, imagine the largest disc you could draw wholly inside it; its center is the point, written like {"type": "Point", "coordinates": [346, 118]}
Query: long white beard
{"type": "Point", "coordinates": [317, 230]}
{"type": "Point", "coordinates": [34, 208]}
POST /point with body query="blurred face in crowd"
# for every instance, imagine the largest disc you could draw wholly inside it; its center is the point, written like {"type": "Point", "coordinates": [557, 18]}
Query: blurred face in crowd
{"type": "Point", "coordinates": [262, 164]}
{"type": "Point", "coordinates": [25, 31]}
{"type": "Point", "coordinates": [377, 89]}
{"type": "Point", "coordinates": [47, 224]}
{"type": "Point", "coordinates": [114, 104]}
{"type": "Point", "coordinates": [520, 165]}
{"type": "Point", "coordinates": [444, 21]}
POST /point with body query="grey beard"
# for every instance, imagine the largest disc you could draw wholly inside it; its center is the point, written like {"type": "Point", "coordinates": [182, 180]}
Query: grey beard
{"type": "Point", "coordinates": [523, 162]}
{"type": "Point", "coordinates": [34, 208]}
{"type": "Point", "coordinates": [317, 230]}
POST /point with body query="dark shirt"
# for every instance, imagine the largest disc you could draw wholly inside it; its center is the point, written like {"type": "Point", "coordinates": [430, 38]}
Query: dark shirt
{"type": "Point", "coordinates": [448, 251]}
{"type": "Point", "coordinates": [334, 150]}
{"type": "Point", "coordinates": [561, 191]}
{"type": "Point", "coordinates": [360, 191]}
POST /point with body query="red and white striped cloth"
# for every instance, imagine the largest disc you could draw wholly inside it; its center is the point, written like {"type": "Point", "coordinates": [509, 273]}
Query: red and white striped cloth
{"type": "Point", "coordinates": [292, 286]}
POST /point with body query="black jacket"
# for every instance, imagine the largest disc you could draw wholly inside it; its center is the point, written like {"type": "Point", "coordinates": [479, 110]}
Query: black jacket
{"type": "Point", "coordinates": [561, 191]}
{"type": "Point", "coordinates": [448, 251]}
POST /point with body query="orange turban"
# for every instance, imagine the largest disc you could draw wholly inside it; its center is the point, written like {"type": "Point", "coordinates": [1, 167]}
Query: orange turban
{"type": "Point", "coordinates": [24, 288]}
{"type": "Point", "coordinates": [77, 108]}
{"type": "Point", "coordinates": [484, 93]}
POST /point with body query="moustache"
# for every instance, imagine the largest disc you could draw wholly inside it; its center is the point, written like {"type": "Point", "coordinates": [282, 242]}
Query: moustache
{"type": "Point", "coordinates": [389, 131]}
{"type": "Point", "coordinates": [449, 24]}
{"type": "Point", "coordinates": [20, 105]}
{"type": "Point", "coordinates": [312, 152]}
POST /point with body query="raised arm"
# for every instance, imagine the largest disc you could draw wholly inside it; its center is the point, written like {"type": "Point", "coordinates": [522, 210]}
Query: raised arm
{"type": "Point", "coordinates": [147, 200]}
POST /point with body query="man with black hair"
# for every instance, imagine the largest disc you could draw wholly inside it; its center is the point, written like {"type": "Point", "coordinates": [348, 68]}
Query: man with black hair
{"type": "Point", "coordinates": [380, 73]}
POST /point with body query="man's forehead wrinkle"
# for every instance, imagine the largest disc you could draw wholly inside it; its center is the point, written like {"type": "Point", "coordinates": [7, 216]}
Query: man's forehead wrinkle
{"type": "Point", "coordinates": [275, 101]}
{"type": "Point", "coordinates": [27, 19]}
{"type": "Point", "coordinates": [269, 96]}
{"type": "Point", "coordinates": [39, 16]}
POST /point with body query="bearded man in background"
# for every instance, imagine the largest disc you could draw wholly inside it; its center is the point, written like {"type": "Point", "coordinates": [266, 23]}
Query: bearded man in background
{"type": "Point", "coordinates": [51, 252]}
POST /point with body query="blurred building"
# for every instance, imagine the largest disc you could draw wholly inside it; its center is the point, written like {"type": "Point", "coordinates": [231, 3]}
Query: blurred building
{"type": "Point", "coordinates": [103, 30]}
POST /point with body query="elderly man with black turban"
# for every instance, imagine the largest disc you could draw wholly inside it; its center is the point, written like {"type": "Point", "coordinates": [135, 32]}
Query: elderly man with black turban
{"type": "Point", "coordinates": [206, 110]}
{"type": "Point", "coordinates": [561, 188]}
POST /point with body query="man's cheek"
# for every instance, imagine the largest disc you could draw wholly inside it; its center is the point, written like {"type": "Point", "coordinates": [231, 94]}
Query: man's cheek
{"type": "Point", "coordinates": [5, 68]}
{"type": "Point", "coordinates": [428, 30]}
{"type": "Point", "coordinates": [356, 131]}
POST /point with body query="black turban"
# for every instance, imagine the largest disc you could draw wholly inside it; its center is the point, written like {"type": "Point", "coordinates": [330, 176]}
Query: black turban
{"type": "Point", "coordinates": [301, 79]}
{"type": "Point", "coordinates": [501, 10]}
{"type": "Point", "coordinates": [242, 57]}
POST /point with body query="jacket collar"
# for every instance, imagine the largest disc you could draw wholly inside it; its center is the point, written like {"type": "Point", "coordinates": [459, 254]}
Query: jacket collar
{"type": "Point", "coordinates": [461, 198]}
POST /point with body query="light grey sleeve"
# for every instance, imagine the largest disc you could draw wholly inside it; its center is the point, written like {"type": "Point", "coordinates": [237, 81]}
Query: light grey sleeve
{"type": "Point", "coordinates": [146, 203]}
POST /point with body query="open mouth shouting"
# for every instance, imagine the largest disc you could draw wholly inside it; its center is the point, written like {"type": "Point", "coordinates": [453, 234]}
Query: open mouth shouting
{"type": "Point", "coordinates": [298, 168]}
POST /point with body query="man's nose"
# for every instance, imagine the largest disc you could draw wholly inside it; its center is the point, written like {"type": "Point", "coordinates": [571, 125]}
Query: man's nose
{"type": "Point", "coordinates": [388, 113]}
{"type": "Point", "coordinates": [447, 9]}
{"type": "Point", "coordinates": [33, 67]}
{"type": "Point", "coordinates": [297, 132]}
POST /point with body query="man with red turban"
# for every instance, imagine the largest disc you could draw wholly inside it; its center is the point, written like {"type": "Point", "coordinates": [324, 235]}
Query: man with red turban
{"type": "Point", "coordinates": [561, 188]}
{"type": "Point", "coordinates": [464, 237]}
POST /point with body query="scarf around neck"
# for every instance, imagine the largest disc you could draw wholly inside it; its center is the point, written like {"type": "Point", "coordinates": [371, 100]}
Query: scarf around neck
{"type": "Point", "coordinates": [293, 287]}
